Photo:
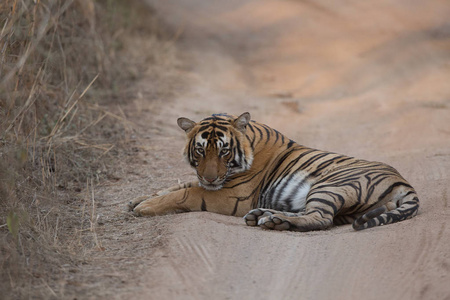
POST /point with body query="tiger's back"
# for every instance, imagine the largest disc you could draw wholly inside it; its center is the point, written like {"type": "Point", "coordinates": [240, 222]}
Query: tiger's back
{"type": "Point", "coordinates": [245, 165]}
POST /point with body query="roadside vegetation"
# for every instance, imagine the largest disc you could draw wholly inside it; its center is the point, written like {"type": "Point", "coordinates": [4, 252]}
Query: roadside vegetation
{"type": "Point", "coordinates": [65, 69]}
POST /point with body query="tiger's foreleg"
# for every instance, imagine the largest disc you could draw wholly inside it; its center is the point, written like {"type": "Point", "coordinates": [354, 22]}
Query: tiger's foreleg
{"type": "Point", "coordinates": [136, 201]}
{"type": "Point", "coordinates": [181, 200]}
{"type": "Point", "coordinates": [225, 202]}
{"type": "Point", "coordinates": [177, 187]}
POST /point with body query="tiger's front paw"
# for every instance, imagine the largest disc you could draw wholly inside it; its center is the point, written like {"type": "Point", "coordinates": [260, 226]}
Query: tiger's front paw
{"type": "Point", "coordinates": [274, 221]}
{"type": "Point", "coordinates": [147, 207]}
{"type": "Point", "coordinates": [252, 217]}
{"type": "Point", "coordinates": [136, 201]}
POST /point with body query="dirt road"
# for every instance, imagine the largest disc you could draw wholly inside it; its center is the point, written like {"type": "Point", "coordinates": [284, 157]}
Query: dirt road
{"type": "Point", "coordinates": [364, 78]}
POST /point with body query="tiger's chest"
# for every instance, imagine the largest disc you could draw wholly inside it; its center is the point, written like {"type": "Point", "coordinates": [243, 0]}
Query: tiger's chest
{"type": "Point", "coordinates": [287, 193]}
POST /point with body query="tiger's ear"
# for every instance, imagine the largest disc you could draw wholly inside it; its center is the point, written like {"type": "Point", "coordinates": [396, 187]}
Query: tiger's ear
{"type": "Point", "coordinates": [241, 122]}
{"type": "Point", "coordinates": [186, 124]}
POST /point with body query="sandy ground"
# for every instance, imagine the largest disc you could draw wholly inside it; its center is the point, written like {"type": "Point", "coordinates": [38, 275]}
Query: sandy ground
{"type": "Point", "coordinates": [369, 79]}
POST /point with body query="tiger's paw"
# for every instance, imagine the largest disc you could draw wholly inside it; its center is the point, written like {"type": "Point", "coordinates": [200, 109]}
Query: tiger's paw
{"type": "Point", "coordinates": [136, 201]}
{"type": "Point", "coordinates": [274, 221]}
{"type": "Point", "coordinates": [252, 217]}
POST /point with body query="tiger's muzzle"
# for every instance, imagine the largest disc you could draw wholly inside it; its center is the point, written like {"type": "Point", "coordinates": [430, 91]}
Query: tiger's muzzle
{"type": "Point", "coordinates": [211, 184]}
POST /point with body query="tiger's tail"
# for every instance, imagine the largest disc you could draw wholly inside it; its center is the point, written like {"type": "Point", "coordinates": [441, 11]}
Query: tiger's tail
{"type": "Point", "coordinates": [389, 213]}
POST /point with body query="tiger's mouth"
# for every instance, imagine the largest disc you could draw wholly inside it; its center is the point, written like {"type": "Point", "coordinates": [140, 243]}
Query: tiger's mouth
{"type": "Point", "coordinates": [211, 186]}
{"type": "Point", "coordinates": [215, 185]}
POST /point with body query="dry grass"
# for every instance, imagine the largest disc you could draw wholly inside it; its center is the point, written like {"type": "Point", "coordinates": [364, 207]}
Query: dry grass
{"type": "Point", "coordinates": [62, 63]}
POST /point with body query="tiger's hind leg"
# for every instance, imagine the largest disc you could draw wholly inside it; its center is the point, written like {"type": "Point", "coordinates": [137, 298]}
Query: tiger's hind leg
{"type": "Point", "coordinates": [313, 220]}
{"type": "Point", "coordinates": [252, 217]}
{"type": "Point", "coordinates": [280, 220]}
{"type": "Point", "coordinates": [343, 219]}
{"type": "Point", "coordinates": [300, 222]}
{"type": "Point", "coordinates": [322, 205]}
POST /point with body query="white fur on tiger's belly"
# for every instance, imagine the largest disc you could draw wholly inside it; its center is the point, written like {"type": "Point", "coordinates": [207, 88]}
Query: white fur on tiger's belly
{"type": "Point", "coordinates": [293, 190]}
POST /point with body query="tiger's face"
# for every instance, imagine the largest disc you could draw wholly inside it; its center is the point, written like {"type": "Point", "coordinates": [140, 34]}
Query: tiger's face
{"type": "Point", "coordinates": [217, 148]}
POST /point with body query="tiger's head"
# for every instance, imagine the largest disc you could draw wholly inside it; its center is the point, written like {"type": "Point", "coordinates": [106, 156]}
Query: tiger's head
{"type": "Point", "coordinates": [217, 148]}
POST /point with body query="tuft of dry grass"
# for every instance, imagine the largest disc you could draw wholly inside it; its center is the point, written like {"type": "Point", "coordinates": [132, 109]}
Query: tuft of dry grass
{"type": "Point", "coordinates": [61, 64]}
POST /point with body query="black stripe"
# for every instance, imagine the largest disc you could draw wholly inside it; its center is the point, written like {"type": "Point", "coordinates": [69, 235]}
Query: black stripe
{"type": "Point", "coordinates": [279, 161]}
{"type": "Point", "coordinates": [325, 212]}
{"type": "Point", "coordinates": [343, 174]}
{"type": "Point", "coordinates": [409, 193]}
{"type": "Point", "coordinates": [390, 188]}
{"type": "Point", "coordinates": [327, 202]}
{"type": "Point", "coordinates": [190, 154]}
{"type": "Point", "coordinates": [238, 149]}
{"type": "Point", "coordinates": [203, 207]}
{"type": "Point", "coordinates": [277, 136]}
{"type": "Point", "coordinates": [300, 184]}
{"type": "Point", "coordinates": [221, 127]}
{"type": "Point", "coordinates": [185, 197]}
{"type": "Point", "coordinates": [254, 136]}
{"type": "Point", "coordinates": [323, 165]}
{"type": "Point", "coordinates": [250, 141]}
{"type": "Point", "coordinates": [312, 160]}
{"type": "Point", "coordinates": [214, 117]}
{"type": "Point", "coordinates": [242, 181]}
{"type": "Point", "coordinates": [260, 132]}
{"type": "Point", "coordinates": [343, 158]}
{"type": "Point", "coordinates": [212, 125]}
{"type": "Point", "coordinates": [235, 207]}
{"type": "Point", "coordinates": [267, 132]}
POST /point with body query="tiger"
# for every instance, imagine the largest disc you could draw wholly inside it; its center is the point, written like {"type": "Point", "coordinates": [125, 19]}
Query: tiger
{"type": "Point", "coordinates": [250, 170]}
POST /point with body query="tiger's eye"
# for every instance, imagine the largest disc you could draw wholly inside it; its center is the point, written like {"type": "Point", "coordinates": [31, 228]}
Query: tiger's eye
{"type": "Point", "coordinates": [200, 151]}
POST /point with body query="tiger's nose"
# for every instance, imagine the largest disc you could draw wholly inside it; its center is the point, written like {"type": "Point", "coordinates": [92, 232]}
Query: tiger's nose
{"type": "Point", "coordinates": [209, 179]}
